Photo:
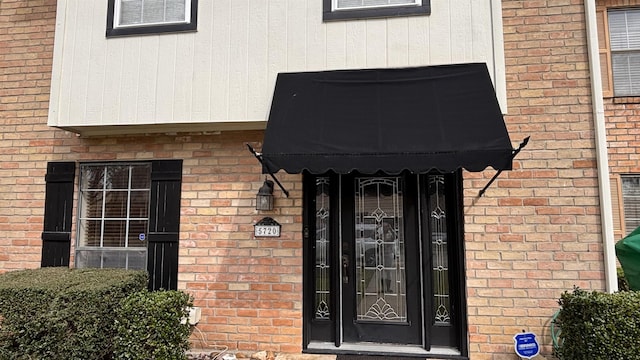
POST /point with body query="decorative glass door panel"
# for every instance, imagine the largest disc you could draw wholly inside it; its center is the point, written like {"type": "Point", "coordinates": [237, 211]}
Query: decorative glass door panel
{"type": "Point", "coordinates": [323, 267]}
{"type": "Point", "coordinates": [321, 279]}
{"type": "Point", "coordinates": [439, 217]}
{"type": "Point", "coordinates": [380, 264]}
{"type": "Point", "coordinates": [378, 257]}
{"type": "Point", "coordinates": [440, 257]}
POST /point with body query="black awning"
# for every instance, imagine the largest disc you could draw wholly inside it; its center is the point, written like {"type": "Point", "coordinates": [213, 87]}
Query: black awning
{"type": "Point", "coordinates": [417, 119]}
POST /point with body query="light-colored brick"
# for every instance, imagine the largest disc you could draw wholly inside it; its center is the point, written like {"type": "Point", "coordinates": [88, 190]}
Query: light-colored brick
{"type": "Point", "coordinates": [525, 217]}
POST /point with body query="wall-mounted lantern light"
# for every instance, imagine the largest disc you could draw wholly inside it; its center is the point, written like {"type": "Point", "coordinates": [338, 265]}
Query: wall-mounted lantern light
{"type": "Point", "coordinates": [264, 198]}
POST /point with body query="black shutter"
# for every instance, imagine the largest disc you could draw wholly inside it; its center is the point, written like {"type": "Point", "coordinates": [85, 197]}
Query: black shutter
{"type": "Point", "coordinates": [58, 208]}
{"type": "Point", "coordinates": [164, 224]}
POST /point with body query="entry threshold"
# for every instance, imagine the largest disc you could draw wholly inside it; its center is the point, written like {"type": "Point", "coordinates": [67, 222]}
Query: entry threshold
{"type": "Point", "coordinates": [378, 349]}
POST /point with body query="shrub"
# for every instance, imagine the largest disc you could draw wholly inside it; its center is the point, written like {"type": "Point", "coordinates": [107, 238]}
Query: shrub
{"type": "Point", "coordinates": [62, 313]}
{"type": "Point", "coordinates": [623, 285]}
{"type": "Point", "coordinates": [149, 326]}
{"type": "Point", "coordinates": [599, 326]}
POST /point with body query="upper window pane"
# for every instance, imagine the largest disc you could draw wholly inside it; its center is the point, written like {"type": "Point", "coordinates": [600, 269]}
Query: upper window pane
{"type": "Point", "coordinates": [147, 12]}
{"type": "Point", "coordinates": [624, 29]}
{"type": "Point", "coordinates": [624, 36]}
{"type": "Point", "coordinates": [362, 9]}
{"type": "Point", "coordinates": [129, 17]}
{"type": "Point", "coordinates": [117, 177]}
{"type": "Point", "coordinates": [92, 177]}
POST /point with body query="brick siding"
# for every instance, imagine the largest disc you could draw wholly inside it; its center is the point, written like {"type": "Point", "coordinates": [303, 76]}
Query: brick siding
{"type": "Point", "coordinates": [26, 143]}
{"type": "Point", "coordinates": [534, 234]}
{"type": "Point", "coordinates": [622, 119]}
{"type": "Point", "coordinates": [537, 234]}
{"type": "Point", "coordinates": [623, 134]}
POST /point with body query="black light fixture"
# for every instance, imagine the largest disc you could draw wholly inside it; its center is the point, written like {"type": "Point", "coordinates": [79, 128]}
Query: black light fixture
{"type": "Point", "coordinates": [264, 198]}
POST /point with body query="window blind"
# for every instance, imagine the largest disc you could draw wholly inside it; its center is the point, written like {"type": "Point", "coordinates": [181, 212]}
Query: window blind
{"type": "Point", "coordinates": [624, 35]}
{"type": "Point", "coordinates": [631, 200]}
{"type": "Point", "coordinates": [134, 12]}
{"type": "Point", "coordinates": [349, 4]}
{"type": "Point", "coordinates": [115, 204]}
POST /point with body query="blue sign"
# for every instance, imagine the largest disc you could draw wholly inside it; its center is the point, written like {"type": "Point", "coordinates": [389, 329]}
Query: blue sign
{"type": "Point", "coordinates": [141, 237]}
{"type": "Point", "coordinates": [526, 345]}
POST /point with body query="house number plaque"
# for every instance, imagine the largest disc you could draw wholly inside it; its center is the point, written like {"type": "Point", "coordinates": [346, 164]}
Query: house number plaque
{"type": "Point", "coordinates": [267, 227]}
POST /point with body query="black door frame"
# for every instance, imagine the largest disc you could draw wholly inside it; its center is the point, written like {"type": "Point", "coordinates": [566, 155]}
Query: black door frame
{"type": "Point", "coordinates": [437, 335]}
{"type": "Point", "coordinates": [330, 331]}
{"type": "Point", "coordinates": [322, 330]}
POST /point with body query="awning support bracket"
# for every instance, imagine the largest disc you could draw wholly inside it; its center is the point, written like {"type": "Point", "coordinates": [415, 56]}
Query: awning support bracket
{"type": "Point", "coordinates": [259, 157]}
{"type": "Point", "coordinates": [513, 155]}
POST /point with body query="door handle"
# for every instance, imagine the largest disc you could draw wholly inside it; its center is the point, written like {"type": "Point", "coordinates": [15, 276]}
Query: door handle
{"type": "Point", "coordinates": [345, 269]}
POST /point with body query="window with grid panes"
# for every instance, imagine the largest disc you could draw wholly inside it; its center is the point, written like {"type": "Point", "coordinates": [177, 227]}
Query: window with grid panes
{"type": "Point", "coordinates": [113, 215]}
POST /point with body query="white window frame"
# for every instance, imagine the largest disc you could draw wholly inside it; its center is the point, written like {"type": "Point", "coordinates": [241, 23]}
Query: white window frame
{"type": "Point", "coordinates": [117, 25]}
{"type": "Point", "coordinates": [99, 248]}
{"type": "Point", "coordinates": [334, 6]}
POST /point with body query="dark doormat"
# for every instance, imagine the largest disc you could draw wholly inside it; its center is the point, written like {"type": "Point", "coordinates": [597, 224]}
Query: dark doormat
{"type": "Point", "coordinates": [376, 357]}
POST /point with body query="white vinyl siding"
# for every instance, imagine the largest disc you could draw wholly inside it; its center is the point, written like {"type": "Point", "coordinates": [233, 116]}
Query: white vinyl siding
{"type": "Point", "coordinates": [624, 34]}
{"type": "Point", "coordinates": [221, 77]}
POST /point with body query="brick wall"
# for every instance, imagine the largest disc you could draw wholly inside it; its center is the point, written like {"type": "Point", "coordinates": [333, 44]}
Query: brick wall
{"type": "Point", "coordinates": [250, 290]}
{"type": "Point", "coordinates": [533, 235]}
{"type": "Point", "coordinates": [537, 233]}
{"type": "Point", "coordinates": [26, 143]}
{"type": "Point", "coordinates": [622, 116]}
{"type": "Point", "coordinates": [623, 134]}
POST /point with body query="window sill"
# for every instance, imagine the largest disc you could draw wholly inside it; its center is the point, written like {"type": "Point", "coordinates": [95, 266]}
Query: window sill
{"type": "Point", "coordinates": [626, 100]}
{"type": "Point", "coordinates": [150, 30]}
{"type": "Point", "coordinates": [382, 12]}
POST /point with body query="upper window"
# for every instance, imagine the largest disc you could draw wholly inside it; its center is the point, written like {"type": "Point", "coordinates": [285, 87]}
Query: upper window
{"type": "Point", "coordinates": [129, 17]}
{"type": "Point", "coordinates": [624, 37]}
{"type": "Point", "coordinates": [360, 9]}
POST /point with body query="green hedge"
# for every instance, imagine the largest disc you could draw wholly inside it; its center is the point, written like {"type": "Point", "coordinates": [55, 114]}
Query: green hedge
{"type": "Point", "coordinates": [62, 313]}
{"type": "Point", "coordinates": [599, 326]}
{"type": "Point", "coordinates": [152, 325]}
